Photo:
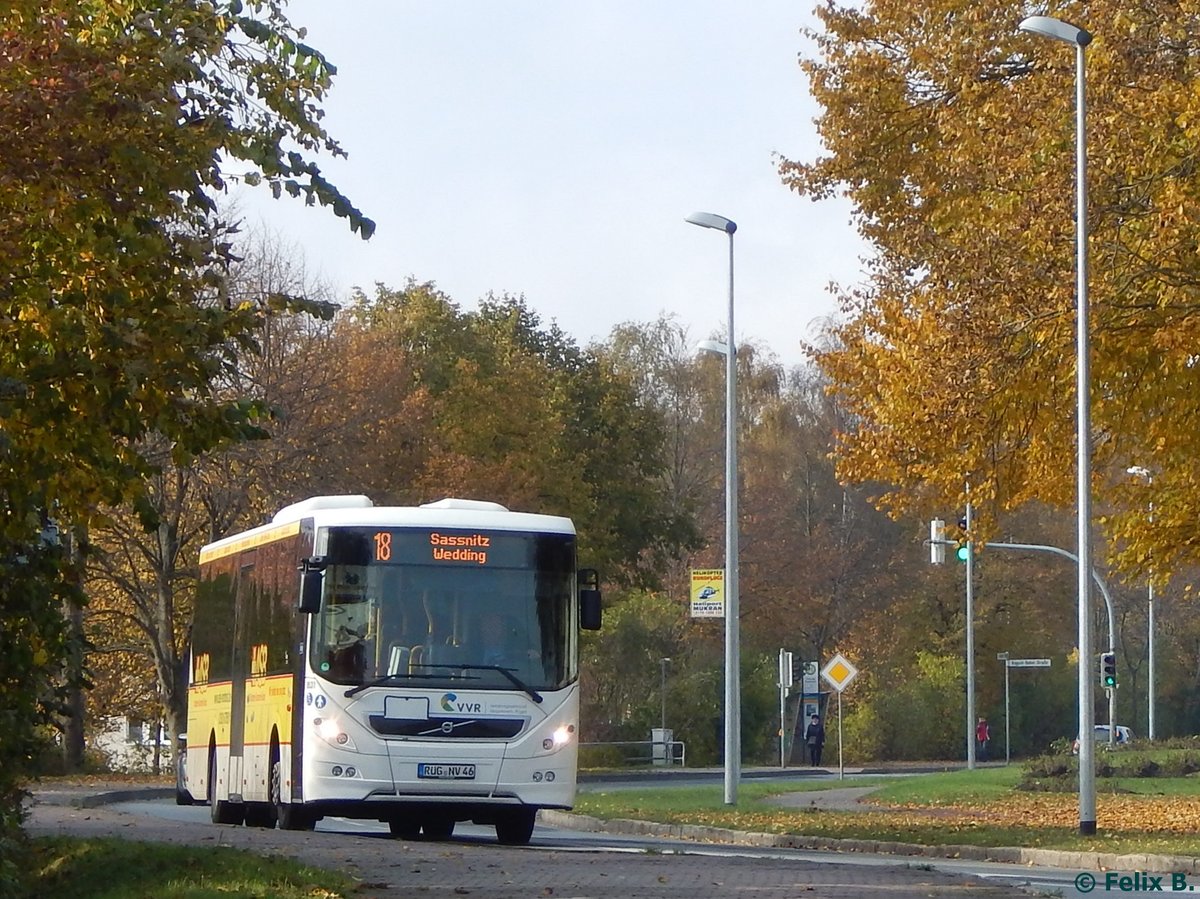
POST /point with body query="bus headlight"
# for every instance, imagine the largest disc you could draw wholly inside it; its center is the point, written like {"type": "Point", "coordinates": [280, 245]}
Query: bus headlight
{"type": "Point", "coordinates": [329, 730]}
{"type": "Point", "coordinates": [560, 738]}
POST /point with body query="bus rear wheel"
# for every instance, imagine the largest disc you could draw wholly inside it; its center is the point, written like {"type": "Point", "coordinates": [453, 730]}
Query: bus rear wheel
{"type": "Point", "coordinates": [260, 814]}
{"type": "Point", "coordinates": [438, 827]}
{"type": "Point", "coordinates": [514, 828]}
{"type": "Point", "coordinates": [404, 828]}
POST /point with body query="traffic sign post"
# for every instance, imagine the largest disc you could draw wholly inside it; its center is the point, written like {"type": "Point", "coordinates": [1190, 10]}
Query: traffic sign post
{"type": "Point", "coordinates": [839, 672]}
{"type": "Point", "coordinates": [1014, 663]}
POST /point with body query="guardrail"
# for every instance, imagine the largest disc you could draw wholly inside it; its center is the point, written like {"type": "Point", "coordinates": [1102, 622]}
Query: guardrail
{"type": "Point", "coordinates": [654, 752]}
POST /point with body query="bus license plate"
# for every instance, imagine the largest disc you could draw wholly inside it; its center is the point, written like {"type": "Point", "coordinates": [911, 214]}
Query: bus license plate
{"type": "Point", "coordinates": [439, 771]}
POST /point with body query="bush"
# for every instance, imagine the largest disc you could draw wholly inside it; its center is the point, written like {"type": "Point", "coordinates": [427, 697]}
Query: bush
{"type": "Point", "coordinates": [601, 757]}
{"type": "Point", "coordinates": [1049, 766]}
{"type": "Point", "coordinates": [1045, 771]}
{"type": "Point", "coordinates": [1179, 763]}
{"type": "Point", "coordinates": [1063, 746]}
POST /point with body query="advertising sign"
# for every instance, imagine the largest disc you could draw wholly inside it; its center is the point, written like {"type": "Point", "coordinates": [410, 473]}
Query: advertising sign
{"type": "Point", "coordinates": [708, 593]}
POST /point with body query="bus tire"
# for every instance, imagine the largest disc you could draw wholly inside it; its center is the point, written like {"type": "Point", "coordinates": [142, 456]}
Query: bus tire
{"type": "Point", "coordinates": [514, 828]}
{"type": "Point", "coordinates": [221, 811]}
{"type": "Point", "coordinates": [404, 828]}
{"type": "Point", "coordinates": [260, 814]}
{"type": "Point", "coordinates": [438, 827]}
{"type": "Point", "coordinates": [289, 815]}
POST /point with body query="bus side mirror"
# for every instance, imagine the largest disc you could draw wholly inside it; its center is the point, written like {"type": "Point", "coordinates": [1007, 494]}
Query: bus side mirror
{"type": "Point", "coordinates": [589, 599]}
{"type": "Point", "coordinates": [312, 580]}
{"type": "Point", "coordinates": [589, 610]}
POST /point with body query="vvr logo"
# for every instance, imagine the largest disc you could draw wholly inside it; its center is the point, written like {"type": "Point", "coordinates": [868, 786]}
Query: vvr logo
{"type": "Point", "coordinates": [450, 703]}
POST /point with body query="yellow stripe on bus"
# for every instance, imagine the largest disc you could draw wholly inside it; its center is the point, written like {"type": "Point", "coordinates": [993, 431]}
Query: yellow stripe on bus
{"type": "Point", "coordinates": [219, 550]}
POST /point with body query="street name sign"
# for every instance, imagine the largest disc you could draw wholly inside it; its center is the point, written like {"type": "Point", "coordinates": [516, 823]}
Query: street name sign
{"type": "Point", "coordinates": [1028, 663]}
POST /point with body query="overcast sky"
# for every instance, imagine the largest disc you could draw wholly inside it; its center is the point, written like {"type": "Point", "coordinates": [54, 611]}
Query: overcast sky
{"type": "Point", "coordinates": [553, 149]}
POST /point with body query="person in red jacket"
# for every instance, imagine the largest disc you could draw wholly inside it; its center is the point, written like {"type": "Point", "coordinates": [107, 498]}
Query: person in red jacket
{"type": "Point", "coordinates": [982, 737]}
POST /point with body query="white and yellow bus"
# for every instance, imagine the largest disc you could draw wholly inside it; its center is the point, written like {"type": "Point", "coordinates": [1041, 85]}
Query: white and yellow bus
{"type": "Point", "coordinates": [417, 666]}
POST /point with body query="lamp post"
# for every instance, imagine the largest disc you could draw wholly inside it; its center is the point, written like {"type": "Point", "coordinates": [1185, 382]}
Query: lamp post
{"type": "Point", "coordinates": [733, 742]}
{"type": "Point", "coordinates": [970, 635]}
{"type": "Point", "coordinates": [1056, 29]}
{"type": "Point", "coordinates": [1140, 472]}
{"type": "Point", "coordinates": [662, 721]}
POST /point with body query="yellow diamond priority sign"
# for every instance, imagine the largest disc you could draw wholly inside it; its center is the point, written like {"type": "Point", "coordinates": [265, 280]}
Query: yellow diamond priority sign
{"type": "Point", "coordinates": [839, 672]}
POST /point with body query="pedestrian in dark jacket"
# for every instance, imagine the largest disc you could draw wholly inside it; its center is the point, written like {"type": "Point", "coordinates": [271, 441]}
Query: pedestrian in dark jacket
{"type": "Point", "coordinates": [814, 739]}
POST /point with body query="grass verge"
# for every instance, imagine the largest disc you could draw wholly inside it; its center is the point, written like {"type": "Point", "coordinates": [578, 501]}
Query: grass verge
{"type": "Point", "coordinates": [975, 808]}
{"type": "Point", "coordinates": [118, 869]}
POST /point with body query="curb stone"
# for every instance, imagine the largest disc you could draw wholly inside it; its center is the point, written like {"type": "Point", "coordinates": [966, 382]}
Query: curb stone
{"type": "Point", "coordinates": [84, 798]}
{"type": "Point", "coordinates": [1053, 858]}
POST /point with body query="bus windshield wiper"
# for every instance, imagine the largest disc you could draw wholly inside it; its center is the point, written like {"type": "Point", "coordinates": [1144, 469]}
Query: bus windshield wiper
{"type": "Point", "coordinates": [507, 672]}
{"type": "Point", "coordinates": [388, 678]}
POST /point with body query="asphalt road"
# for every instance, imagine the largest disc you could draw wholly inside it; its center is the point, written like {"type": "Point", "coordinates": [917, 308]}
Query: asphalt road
{"type": "Point", "coordinates": [560, 862]}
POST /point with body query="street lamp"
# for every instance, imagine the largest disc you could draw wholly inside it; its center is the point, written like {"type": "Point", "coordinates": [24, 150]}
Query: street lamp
{"type": "Point", "coordinates": [1058, 30]}
{"type": "Point", "coordinates": [733, 741]}
{"type": "Point", "coordinates": [1140, 472]}
{"type": "Point", "coordinates": [662, 721]}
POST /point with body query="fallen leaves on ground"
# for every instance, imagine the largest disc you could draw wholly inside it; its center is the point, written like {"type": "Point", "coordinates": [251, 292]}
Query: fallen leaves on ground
{"type": "Point", "coordinates": [1124, 813]}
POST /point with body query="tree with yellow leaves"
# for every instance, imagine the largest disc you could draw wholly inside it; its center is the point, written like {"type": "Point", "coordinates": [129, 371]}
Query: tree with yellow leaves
{"type": "Point", "coordinates": [953, 135]}
{"type": "Point", "coordinates": [120, 121]}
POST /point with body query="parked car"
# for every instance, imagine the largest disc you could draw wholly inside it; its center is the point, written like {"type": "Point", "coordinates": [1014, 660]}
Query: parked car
{"type": "Point", "coordinates": [1100, 732]}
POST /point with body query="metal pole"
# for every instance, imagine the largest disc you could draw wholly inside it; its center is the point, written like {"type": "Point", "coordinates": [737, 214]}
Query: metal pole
{"type": "Point", "coordinates": [1066, 554]}
{"type": "Point", "coordinates": [1007, 753]}
{"type": "Point", "coordinates": [1150, 631]}
{"type": "Point", "coordinates": [1087, 769]}
{"type": "Point", "coordinates": [782, 714]}
{"type": "Point", "coordinates": [662, 721]}
{"type": "Point", "coordinates": [1003, 657]}
{"type": "Point", "coordinates": [1058, 30]}
{"type": "Point", "coordinates": [1150, 660]}
{"type": "Point", "coordinates": [733, 742]}
{"type": "Point", "coordinates": [970, 642]}
{"type": "Point", "coordinates": [1143, 472]}
{"type": "Point", "coordinates": [841, 764]}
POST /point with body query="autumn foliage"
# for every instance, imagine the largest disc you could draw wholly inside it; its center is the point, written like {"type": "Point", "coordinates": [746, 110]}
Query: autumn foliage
{"type": "Point", "coordinates": [953, 136]}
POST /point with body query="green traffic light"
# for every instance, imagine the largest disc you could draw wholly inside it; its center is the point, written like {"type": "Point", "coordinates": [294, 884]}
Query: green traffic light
{"type": "Point", "coordinates": [1108, 670]}
{"type": "Point", "coordinates": [963, 552]}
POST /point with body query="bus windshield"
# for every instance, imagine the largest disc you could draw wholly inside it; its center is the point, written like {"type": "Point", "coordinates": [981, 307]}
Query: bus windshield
{"type": "Point", "coordinates": [438, 609]}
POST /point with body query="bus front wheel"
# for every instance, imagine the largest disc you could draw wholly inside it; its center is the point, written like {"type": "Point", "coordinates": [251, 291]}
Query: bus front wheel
{"type": "Point", "coordinates": [289, 815]}
{"type": "Point", "coordinates": [514, 828]}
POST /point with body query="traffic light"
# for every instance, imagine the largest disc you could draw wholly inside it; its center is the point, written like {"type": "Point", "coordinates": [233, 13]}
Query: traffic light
{"type": "Point", "coordinates": [1108, 670]}
{"type": "Point", "coordinates": [964, 541]}
{"type": "Point", "coordinates": [937, 541]}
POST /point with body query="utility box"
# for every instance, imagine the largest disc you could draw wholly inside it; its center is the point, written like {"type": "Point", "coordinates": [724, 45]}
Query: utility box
{"type": "Point", "coordinates": [661, 751]}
